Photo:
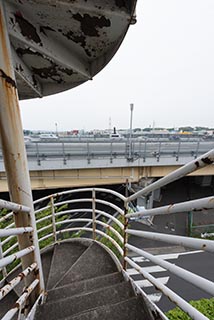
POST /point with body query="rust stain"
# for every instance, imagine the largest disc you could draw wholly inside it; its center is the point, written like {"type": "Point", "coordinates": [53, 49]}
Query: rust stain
{"type": "Point", "coordinates": [4, 52]}
{"type": "Point", "coordinates": [16, 305]}
{"type": "Point", "coordinates": [170, 207]}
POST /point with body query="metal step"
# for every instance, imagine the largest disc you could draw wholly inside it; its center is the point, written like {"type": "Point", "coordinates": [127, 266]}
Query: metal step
{"type": "Point", "coordinates": [131, 309]}
{"type": "Point", "coordinates": [94, 262]}
{"type": "Point", "coordinates": [84, 286]}
{"type": "Point", "coordinates": [79, 303]}
{"type": "Point", "coordinates": [64, 256]}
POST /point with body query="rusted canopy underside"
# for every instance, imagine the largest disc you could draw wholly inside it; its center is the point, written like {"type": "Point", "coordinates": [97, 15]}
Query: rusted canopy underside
{"type": "Point", "coordinates": [59, 44]}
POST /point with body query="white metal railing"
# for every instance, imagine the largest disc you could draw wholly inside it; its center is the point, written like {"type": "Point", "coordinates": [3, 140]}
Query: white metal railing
{"type": "Point", "coordinates": [90, 213]}
{"type": "Point", "coordinates": [11, 255]}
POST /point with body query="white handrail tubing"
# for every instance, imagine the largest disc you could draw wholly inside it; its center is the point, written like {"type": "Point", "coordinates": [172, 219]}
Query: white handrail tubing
{"type": "Point", "coordinates": [184, 305]}
{"type": "Point", "coordinates": [107, 226]}
{"type": "Point", "coordinates": [203, 204]}
{"type": "Point", "coordinates": [6, 217]}
{"type": "Point", "coordinates": [103, 213]}
{"type": "Point", "coordinates": [19, 303]}
{"type": "Point", "coordinates": [7, 260]}
{"type": "Point", "coordinates": [14, 282]}
{"type": "Point", "coordinates": [109, 204]}
{"type": "Point", "coordinates": [13, 206]}
{"type": "Point", "coordinates": [83, 210]}
{"type": "Point", "coordinates": [200, 162]}
{"type": "Point", "coordinates": [42, 209]}
{"type": "Point", "coordinates": [7, 240]}
{"type": "Point", "coordinates": [14, 231]}
{"type": "Point", "coordinates": [85, 229]}
{"type": "Point", "coordinates": [120, 196]}
{"type": "Point", "coordinates": [204, 284]}
{"type": "Point", "coordinates": [199, 244]}
{"type": "Point", "coordinates": [15, 245]}
{"type": "Point", "coordinates": [10, 225]}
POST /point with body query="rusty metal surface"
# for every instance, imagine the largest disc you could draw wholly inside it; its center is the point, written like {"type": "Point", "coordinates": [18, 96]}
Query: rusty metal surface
{"type": "Point", "coordinates": [59, 44]}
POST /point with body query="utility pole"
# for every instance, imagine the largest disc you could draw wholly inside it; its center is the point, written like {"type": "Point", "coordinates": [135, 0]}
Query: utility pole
{"type": "Point", "coordinates": [130, 131]}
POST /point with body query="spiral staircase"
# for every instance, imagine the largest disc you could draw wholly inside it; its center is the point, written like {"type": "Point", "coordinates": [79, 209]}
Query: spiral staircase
{"type": "Point", "coordinates": [45, 272]}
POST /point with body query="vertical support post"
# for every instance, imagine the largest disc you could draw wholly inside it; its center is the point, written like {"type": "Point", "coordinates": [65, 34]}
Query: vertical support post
{"type": "Point", "coordinates": [125, 235]}
{"type": "Point", "coordinates": [111, 157]}
{"type": "Point", "coordinates": [144, 157]}
{"type": "Point", "coordinates": [88, 153]}
{"type": "Point", "coordinates": [159, 151]}
{"type": "Point", "coordinates": [94, 213]}
{"type": "Point", "coordinates": [37, 154]}
{"type": "Point", "coordinates": [53, 220]}
{"type": "Point", "coordinates": [63, 153]}
{"type": "Point", "coordinates": [130, 132]}
{"type": "Point", "coordinates": [197, 149]}
{"type": "Point", "coordinates": [178, 152]}
{"type": "Point", "coordinates": [190, 220]}
{"type": "Point", "coordinates": [4, 269]}
{"type": "Point", "coordinates": [13, 149]}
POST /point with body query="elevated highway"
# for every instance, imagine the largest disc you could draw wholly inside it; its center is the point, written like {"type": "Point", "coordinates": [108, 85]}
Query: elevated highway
{"type": "Point", "coordinates": [102, 162]}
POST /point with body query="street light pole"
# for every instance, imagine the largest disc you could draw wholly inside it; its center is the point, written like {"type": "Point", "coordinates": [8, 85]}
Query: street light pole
{"type": "Point", "coordinates": [56, 129]}
{"type": "Point", "coordinates": [130, 130]}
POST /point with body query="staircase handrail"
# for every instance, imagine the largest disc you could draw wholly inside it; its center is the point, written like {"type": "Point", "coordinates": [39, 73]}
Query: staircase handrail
{"type": "Point", "coordinates": [58, 218]}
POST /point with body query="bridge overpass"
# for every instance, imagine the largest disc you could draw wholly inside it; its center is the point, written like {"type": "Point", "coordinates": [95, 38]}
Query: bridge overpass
{"type": "Point", "coordinates": [67, 165]}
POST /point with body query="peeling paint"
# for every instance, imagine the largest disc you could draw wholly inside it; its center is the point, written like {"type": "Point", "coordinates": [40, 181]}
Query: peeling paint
{"type": "Point", "coordinates": [27, 29]}
{"type": "Point", "coordinates": [207, 160]}
{"type": "Point", "coordinates": [90, 24]}
{"type": "Point", "coordinates": [43, 29]}
{"type": "Point", "coordinates": [197, 164]}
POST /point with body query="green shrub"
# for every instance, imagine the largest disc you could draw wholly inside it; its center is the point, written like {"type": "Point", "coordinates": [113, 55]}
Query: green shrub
{"type": "Point", "coordinates": [205, 306]}
{"type": "Point", "coordinates": [108, 243]}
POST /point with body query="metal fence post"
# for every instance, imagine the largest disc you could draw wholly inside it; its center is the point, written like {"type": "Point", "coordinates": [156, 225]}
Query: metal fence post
{"type": "Point", "coordinates": [88, 153]}
{"type": "Point", "coordinates": [63, 153]}
{"type": "Point", "coordinates": [125, 223]}
{"type": "Point", "coordinates": [94, 213]}
{"type": "Point", "coordinates": [125, 235]}
{"type": "Point", "coordinates": [111, 156]}
{"type": "Point", "coordinates": [197, 149]}
{"type": "Point", "coordinates": [4, 269]}
{"type": "Point", "coordinates": [178, 151]}
{"type": "Point", "coordinates": [37, 154]}
{"type": "Point", "coordinates": [53, 220]}
{"type": "Point", "coordinates": [144, 157]}
{"type": "Point", "coordinates": [190, 221]}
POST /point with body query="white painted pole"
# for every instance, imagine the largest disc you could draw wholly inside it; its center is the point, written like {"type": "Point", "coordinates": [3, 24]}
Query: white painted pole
{"type": "Point", "coordinates": [13, 148]}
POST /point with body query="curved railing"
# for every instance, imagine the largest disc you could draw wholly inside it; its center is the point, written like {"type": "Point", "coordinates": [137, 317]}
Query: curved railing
{"type": "Point", "coordinates": [105, 216]}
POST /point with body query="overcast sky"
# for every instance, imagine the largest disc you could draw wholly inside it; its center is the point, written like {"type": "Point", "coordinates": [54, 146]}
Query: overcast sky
{"type": "Point", "coordinates": [165, 66]}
